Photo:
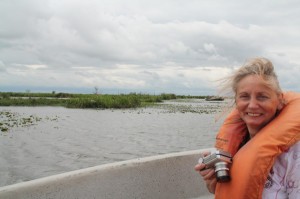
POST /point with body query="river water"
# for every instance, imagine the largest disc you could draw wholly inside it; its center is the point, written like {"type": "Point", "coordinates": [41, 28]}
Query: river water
{"type": "Point", "coordinates": [60, 139]}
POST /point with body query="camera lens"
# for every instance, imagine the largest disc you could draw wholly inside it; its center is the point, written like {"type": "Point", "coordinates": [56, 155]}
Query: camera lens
{"type": "Point", "coordinates": [222, 172]}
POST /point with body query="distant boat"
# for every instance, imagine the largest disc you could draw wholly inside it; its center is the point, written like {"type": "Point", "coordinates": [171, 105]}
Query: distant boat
{"type": "Point", "coordinates": [214, 98]}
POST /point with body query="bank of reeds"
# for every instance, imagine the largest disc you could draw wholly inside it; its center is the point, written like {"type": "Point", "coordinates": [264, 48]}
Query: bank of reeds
{"type": "Point", "coordinates": [132, 100]}
{"type": "Point", "coordinates": [104, 101]}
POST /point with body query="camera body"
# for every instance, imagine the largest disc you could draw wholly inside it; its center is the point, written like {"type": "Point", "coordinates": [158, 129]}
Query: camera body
{"type": "Point", "coordinates": [220, 161]}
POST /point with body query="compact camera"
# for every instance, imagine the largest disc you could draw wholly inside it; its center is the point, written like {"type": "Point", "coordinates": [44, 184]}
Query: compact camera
{"type": "Point", "coordinates": [220, 161]}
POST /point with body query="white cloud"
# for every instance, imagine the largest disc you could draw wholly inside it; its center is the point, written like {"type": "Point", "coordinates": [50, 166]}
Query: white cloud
{"type": "Point", "coordinates": [143, 44]}
{"type": "Point", "coordinates": [36, 66]}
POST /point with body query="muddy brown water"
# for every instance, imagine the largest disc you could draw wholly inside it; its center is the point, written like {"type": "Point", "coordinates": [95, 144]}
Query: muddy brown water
{"type": "Point", "coordinates": [60, 139]}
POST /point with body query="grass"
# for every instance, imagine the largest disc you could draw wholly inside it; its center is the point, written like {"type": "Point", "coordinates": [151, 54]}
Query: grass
{"type": "Point", "coordinates": [10, 119]}
{"type": "Point", "coordinates": [132, 100]}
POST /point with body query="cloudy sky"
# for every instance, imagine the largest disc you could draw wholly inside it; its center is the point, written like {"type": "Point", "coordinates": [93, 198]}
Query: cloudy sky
{"type": "Point", "coordinates": [153, 46]}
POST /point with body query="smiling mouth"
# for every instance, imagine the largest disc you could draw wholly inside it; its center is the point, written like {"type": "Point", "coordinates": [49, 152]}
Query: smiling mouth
{"type": "Point", "coordinates": [254, 114]}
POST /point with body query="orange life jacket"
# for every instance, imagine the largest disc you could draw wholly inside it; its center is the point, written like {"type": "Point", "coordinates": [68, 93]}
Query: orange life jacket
{"type": "Point", "coordinates": [252, 163]}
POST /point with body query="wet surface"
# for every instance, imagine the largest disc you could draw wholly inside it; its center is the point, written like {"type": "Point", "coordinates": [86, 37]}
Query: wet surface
{"type": "Point", "coordinates": [63, 139]}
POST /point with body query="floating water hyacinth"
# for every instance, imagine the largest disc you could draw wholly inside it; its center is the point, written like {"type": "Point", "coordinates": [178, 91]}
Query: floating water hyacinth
{"type": "Point", "coordinates": [10, 119]}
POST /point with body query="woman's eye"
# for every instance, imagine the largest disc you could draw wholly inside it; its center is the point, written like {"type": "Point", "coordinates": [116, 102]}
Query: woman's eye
{"type": "Point", "coordinates": [244, 96]}
{"type": "Point", "coordinates": [262, 97]}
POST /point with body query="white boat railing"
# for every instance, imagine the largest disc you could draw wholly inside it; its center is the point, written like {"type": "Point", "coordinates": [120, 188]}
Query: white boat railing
{"type": "Point", "coordinates": [163, 176]}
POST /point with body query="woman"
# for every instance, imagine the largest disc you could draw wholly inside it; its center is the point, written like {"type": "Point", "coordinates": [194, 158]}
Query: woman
{"type": "Point", "coordinates": [259, 100]}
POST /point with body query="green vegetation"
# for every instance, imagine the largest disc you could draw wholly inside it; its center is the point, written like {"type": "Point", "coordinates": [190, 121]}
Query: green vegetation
{"type": "Point", "coordinates": [9, 119]}
{"type": "Point", "coordinates": [132, 100]}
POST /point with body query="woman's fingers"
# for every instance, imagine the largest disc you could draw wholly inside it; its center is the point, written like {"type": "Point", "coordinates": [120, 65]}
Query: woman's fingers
{"type": "Point", "coordinates": [211, 185]}
{"type": "Point", "coordinates": [206, 153]}
{"type": "Point", "coordinates": [208, 174]}
{"type": "Point", "coordinates": [205, 173]}
{"type": "Point", "coordinates": [199, 167]}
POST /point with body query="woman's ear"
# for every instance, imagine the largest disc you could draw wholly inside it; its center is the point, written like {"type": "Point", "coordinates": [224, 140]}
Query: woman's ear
{"type": "Point", "coordinates": [281, 101]}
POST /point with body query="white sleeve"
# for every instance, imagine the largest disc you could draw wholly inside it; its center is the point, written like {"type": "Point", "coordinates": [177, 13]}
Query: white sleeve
{"type": "Point", "coordinates": [284, 179]}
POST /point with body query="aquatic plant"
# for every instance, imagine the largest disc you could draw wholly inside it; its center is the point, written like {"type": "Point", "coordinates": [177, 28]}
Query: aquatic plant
{"type": "Point", "coordinates": [10, 119]}
{"type": "Point", "coordinates": [132, 100]}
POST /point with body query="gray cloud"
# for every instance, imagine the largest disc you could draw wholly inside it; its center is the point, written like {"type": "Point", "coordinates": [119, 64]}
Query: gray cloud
{"type": "Point", "coordinates": [143, 44]}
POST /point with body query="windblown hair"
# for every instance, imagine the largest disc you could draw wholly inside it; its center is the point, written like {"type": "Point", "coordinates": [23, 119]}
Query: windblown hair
{"type": "Point", "coordinates": [256, 66]}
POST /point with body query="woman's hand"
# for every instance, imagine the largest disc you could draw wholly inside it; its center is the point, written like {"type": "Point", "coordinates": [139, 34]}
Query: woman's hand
{"type": "Point", "coordinates": [208, 175]}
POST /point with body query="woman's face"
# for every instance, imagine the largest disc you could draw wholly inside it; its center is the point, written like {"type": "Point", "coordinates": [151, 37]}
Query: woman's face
{"type": "Point", "coordinates": [256, 102]}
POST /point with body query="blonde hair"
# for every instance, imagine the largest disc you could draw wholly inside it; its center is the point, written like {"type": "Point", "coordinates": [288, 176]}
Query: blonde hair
{"type": "Point", "coordinates": [256, 66]}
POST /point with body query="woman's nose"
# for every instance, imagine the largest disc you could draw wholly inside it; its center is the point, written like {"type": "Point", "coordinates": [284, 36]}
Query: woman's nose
{"type": "Point", "coordinates": [253, 103]}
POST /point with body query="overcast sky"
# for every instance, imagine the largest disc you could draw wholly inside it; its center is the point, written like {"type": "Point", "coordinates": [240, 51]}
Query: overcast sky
{"type": "Point", "coordinates": [154, 46]}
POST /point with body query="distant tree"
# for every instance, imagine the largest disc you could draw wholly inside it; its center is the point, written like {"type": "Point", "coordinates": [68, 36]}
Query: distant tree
{"type": "Point", "coordinates": [96, 90]}
{"type": "Point", "coordinates": [28, 93]}
{"type": "Point", "coordinates": [53, 92]}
